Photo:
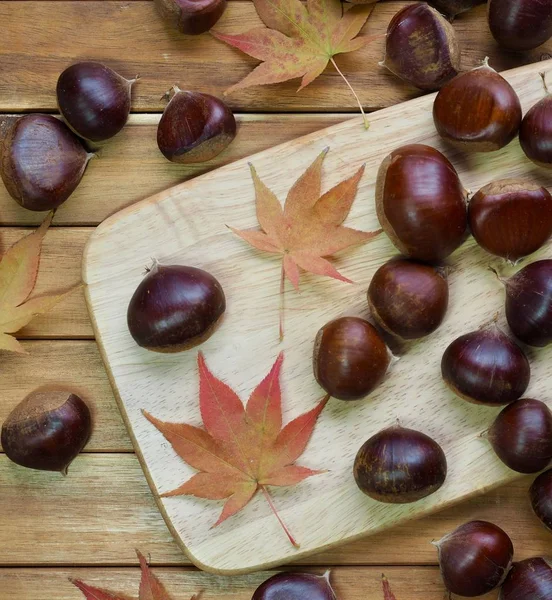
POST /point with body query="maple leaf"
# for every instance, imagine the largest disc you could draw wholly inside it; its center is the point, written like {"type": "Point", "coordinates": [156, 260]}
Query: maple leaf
{"type": "Point", "coordinates": [387, 593]}
{"type": "Point", "coordinates": [18, 273]}
{"type": "Point", "coordinates": [308, 228]}
{"type": "Point", "coordinates": [242, 449]}
{"type": "Point", "coordinates": [299, 40]}
{"type": "Point", "coordinates": [150, 587]}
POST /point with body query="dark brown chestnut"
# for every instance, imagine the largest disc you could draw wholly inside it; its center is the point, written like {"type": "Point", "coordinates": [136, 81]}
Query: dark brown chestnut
{"type": "Point", "coordinates": [521, 435]}
{"type": "Point", "coordinates": [421, 47]}
{"type": "Point", "coordinates": [420, 203]}
{"type": "Point", "coordinates": [486, 367]}
{"type": "Point", "coordinates": [474, 558]}
{"type": "Point", "coordinates": [511, 218]}
{"type": "Point", "coordinates": [191, 17]}
{"type": "Point", "coordinates": [541, 497]}
{"type": "Point", "coordinates": [477, 111]}
{"type": "Point", "coordinates": [194, 127]}
{"type": "Point", "coordinates": [94, 100]}
{"type": "Point", "coordinates": [529, 579]}
{"type": "Point", "coordinates": [529, 303]}
{"type": "Point", "coordinates": [452, 8]}
{"type": "Point", "coordinates": [175, 308]}
{"type": "Point", "coordinates": [535, 133]}
{"type": "Point", "coordinates": [41, 162]}
{"type": "Point", "coordinates": [295, 586]}
{"type": "Point", "coordinates": [350, 359]}
{"type": "Point", "coordinates": [47, 430]}
{"type": "Point", "coordinates": [408, 299]}
{"type": "Point", "coordinates": [399, 465]}
{"type": "Point", "coordinates": [520, 24]}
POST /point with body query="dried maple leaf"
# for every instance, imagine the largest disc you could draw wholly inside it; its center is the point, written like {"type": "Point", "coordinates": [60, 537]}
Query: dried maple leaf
{"type": "Point", "coordinates": [18, 272]}
{"type": "Point", "coordinates": [299, 40]}
{"type": "Point", "coordinates": [309, 227]}
{"type": "Point", "coordinates": [242, 449]}
{"type": "Point", "coordinates": [387, 593]}
{"type": "Point", "coordinates": [150, 587]}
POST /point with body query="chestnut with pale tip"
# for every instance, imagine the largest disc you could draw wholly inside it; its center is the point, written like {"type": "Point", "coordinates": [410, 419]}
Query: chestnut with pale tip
{"type": "Point", "coordinates": [529, 579]}
{"type": "Point", "coordinates": [47, 430]}
{"type": "Point", "coordinates": [520, 24]}
{"type": "Point", "coordinates": [191, 17]}
{"type": "Point", "coordinates": [474, 559]}
{"type": "Point", "coordinates": [296, 586]}
{"type": "Point", "coordinates": [194, 127]}
{"type": "Point", "coordinates": [535, 133]}
{"type": "Point", "coordinates": [420, 203]}
{"type": "Point", "coordinates": [477, 111]}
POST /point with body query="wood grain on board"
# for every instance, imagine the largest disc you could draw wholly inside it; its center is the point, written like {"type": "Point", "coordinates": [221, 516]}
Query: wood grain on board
{"type": "Point", "coordinates": [43, 38]}
{"type": "Point", "coordinates": [187, 225]}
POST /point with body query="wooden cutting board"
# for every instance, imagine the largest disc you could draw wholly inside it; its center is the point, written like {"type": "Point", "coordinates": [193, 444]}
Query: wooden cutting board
{"type": "Point", "coordinates": [187, 225]}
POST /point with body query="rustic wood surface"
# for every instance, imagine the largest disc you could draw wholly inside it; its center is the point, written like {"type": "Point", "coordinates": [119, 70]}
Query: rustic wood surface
{"type": "Point", "coordinates": [88, 524]}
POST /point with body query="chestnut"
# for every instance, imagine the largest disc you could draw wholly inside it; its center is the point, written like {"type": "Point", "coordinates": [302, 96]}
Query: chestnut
{"type": "Point", "coordinates": [451, 8]}
{"type": "Point", "coordinates": [349, 359]}
{"type": "Point", "coordinates": [511, 218]}
{"type": "Point", "coordinates": [529, 303]}
{"type": "Point", "coordinates": [421, 47]}
{"type": "Point", "coordinates": [175, 308]}
{"type": "Point", "coordinates": [47, 430]}
{"type": "Point", "coordinates": [41, 162]}
{"type": "Point", "coordinates": [474, 559]}
{"type": "Point", "coordinates": [478, 111]}
{"type": "Point", "coordinates": [521, 436]}
{"type": "Point", "coordinates": [520, 24]}
{"type": "Point", "coordinates": [535, 133]}
{"type": "Point", "coordinates": [420, 203]}
{"type": "Point", "coordinates": [94, 100]}
{"type": "Point", "coordinates": [529, 579]}
{"type": "Point", "coordinates": [540, 494]}
{"type": "Point", "coordinates": [191, 17]}
{"type": "Point", "coordinates": [399, 465]}
{"type": "Point", "coordinates": [486, 367]}
{"type": "Point", "coordinates": [296, 586]}
{"type": "Point", "coordinates": [194, 127]}
{"type": "Point", "coordinates": [408, 299]}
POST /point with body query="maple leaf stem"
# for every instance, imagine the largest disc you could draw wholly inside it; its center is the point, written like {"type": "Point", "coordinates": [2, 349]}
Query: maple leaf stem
{"type": "Point", "coordinates": [366, 122]}
{"type": "Point", "coordinates": [275, 511]}
{"type": "Point", "coordinates": [281, 310]}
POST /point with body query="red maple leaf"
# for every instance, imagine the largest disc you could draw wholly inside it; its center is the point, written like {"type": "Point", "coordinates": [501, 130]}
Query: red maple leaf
{"type": "Point", "coordinates": [242, 449]}
{"type": "Point", "coordinates": [387, 593]}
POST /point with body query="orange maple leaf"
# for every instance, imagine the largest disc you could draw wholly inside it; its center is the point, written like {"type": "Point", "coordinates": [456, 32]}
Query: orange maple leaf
{"type": "Point", "coordinates": [309, 227]}
{"type": "Point", "coordinates": [18, 273]}
{"type": "Point", "coordinates": [299, 40]}
{"type": "Point", "coordinates": [242, 449]}
{"type": "Point", "coordinates": [150, 587]}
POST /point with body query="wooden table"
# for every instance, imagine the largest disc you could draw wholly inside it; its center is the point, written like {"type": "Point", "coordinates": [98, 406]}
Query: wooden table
{"type": "Point", "coordinates": [88, 524]}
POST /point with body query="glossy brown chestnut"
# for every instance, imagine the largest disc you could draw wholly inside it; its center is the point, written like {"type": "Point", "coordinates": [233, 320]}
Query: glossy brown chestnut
{"type": "Point", "coordinates": [452, 8]}
{"type": "Point", "coordinates": [408, 299]}
{"type": "Point", "coordinates": [41, 162]}
{"type": "Point", "coordinates": [541, 497]}
{"type": "Point", "coordinates": [511, 218]}
{"type": "Point", "coordinates": [535, 133]}
{"type": "Point", "coordinates": [474, 558]}
{"type": "Point", "coordinates": [520, 24]}
{"type": "Point", "coordinates": [47, 430]}
{"type": "Point", "coordinates": [175, 308]}
{"type": "Point", "coordinates": [349, 359]}
{"type": "Point", "coordinates": [477, 111]}
{"type": "Point", "coordinates": [529, 303]}
{"type": "Point", "coordinates": [94, 100]}
{"type": "Point", "coordinates": [486, 367]}
{"type": "Point", "coordinates": [529, 579]}
{"type": "Point", "coordinates": [191, 17]}
{"type": "Point", "coordinates": [194, 127]}
{"type": "Point", "coordinates": [295, 586]}
{"type": "Point", "coordinates": [399, 465]}
{"type": "Point", "coordinates": [421, 47]}
{"type": "Point", "coordinates": [521, 436]}
{"type": "Point", "coordinates": [420, 203]}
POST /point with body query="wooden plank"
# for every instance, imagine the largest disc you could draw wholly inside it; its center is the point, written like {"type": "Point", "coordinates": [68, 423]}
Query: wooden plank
{"type": "Point", "coordinates": [130, 167]}
{"type": "Point", "coordinates": [40, 39]}
{"type": "Point", "coordinates": [188, 224]}
{"type": "Point", "coordinates": [78, 366]}
{"type": "Point", "coordinates": [351, 583]}
{"type": "Point", "coordinates": [103, 510]}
